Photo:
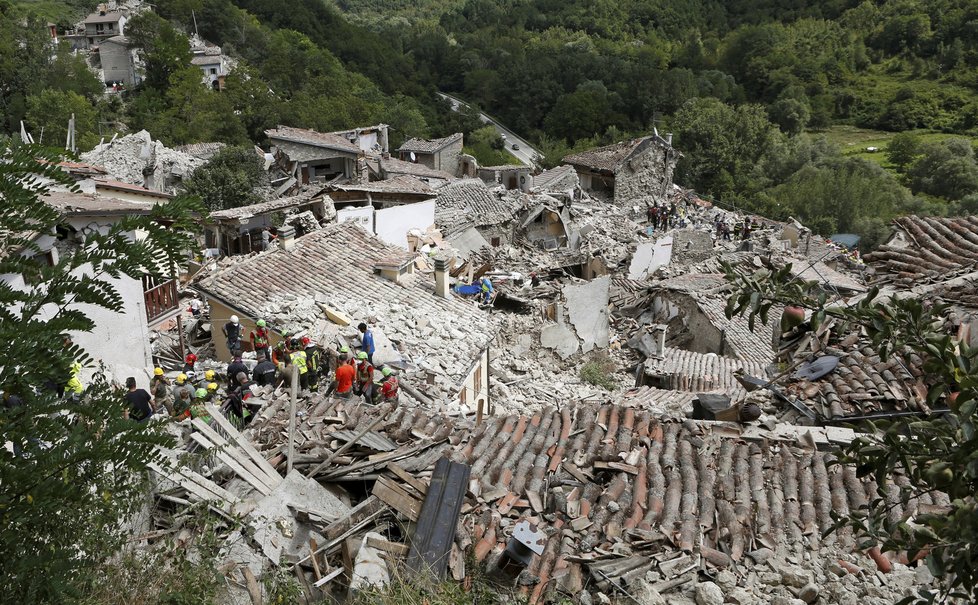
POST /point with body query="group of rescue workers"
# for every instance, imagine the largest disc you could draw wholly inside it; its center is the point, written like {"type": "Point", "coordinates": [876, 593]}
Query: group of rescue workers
{"type": "Point", "coordinates": [340, 372]}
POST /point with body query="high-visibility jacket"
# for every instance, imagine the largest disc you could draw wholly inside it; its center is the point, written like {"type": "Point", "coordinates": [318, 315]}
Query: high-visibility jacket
{"type": "Point", "coordinates": [74, 384]}
{"type": "Point", "coordinates": [389, 389]}
{"type": "Point", "coordinates": [299, 361]}
{"type": "Point", "coordinates": [365, 373]}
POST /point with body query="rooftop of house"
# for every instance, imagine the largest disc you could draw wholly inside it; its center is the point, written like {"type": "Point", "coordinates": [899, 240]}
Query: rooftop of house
{"type": "Point", "coordinates": [429, 145]}
{"type": "Point", "coordinates": [94, 204]}
{"type": "Point", "coordinates": [396, 166]}
{"type": "Point", "coordinates": [927, 249]}
{"type": "Point", "coordinates": [505, 167]}
{"type": "Point", "coordinates": [130, 188]}
{"type": "Point", "coordinates": [746, 344]}
{"type": "Point", "coordinates": [120, 40]}
{"type": "Point", "coordinates": [103, 17]}
{"type": "Point", "coordinates": [402, 183]}
{"type": "Point", "coordinates": [245, 212]}
{"type": "Point", "coordinates": [682, 370]}
{"type": "Point", "coordinates": [206, 59]}
{"type": "Point", "coordinates": [862, 384]}
{"type": "Point", "coordinates": [478, 202]}
{"type": "Point", "coordinates": [556, 178]}
{"type": "Point", "coordinates": [610, 157]}
{"type": "Point", "coordinates": [305, 136]}
{"type": "Point", "coordinates": [336, 264]}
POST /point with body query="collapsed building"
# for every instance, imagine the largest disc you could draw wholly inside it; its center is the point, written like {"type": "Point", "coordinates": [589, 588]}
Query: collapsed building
{"type": "Point", "coordinates": [596, 427]}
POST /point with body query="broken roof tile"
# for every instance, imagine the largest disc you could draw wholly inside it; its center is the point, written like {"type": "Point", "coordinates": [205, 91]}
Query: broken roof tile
{"type": "Point", "coordinates": [429, 145]}
{"type": "Point", "coordinates": [926, 249]}
{"type": "Point", "coordinates": [305, 136]}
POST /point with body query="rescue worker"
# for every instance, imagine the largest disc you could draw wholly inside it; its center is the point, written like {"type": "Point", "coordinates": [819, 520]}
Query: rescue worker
{"type": "Point", "coordinates": [345, 374]}
{"type": "Point", "coordinates": [189, 362]}
{"type": "Point", "coordinates": [212, 395]}
{"type": "Point", "coordinates": [298, 359]}
{"type": "Point", "coordinates": [74, 387]}
{"type": "Point", "coordinates": [365, 377]}
{"type": "Point", "coordinates": [367, 341]}
{"type": "Point", "coordinates": [239, 396]}
{"type": "Point", "coordinates": [195, 306]}
{"type": "Point", "coordinates": [182, 403]}
{"type": "Point", "coordinates": [199, 407]}
{"type": "Point", "coordinates": [281, 352]}
{"type": "Point", "coordinates": [180, 386]}
{"type": "Point", "coordinates": [487, 290]}
{"type": "Point", "coordinates": [232, 331]}
{"type": "Point", "coordinates": [314, 356]}
{"type": "Point", "coordinates": [208, 378]}
{"type": "Point", "coordinates": [346, 357]}
{"type": "Point", "coordinates": [234, 368]}
{"type": "Point", "coordinates": [264, 373]}
{"type": "Point", "coordinates": [159, 388]}
{"type": "Point", "coordinates": [260, 337]}
{"type": "Point", "coordinates": [389, 389]}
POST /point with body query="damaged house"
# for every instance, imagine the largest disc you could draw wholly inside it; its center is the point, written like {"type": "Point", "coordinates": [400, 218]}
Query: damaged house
{"type": "Point", "coordinates": [388, 209]}
{"type": "Point", "coordinates": [119, 340]}
{"type": "Point", "coordinates": [470, 204]}
{"type": "Point", "coordinates": [239, 230]}
{"type": "Point", "coordinates": [341, 275]}
{"type": "Point", "coordinates": [630, 171]}
{"type": "Point", "coordinates": [512, 176]}
{"type": "Point", "coordinates": [309, 156]}
{"type": "Point", "coordinates": [437, 154]}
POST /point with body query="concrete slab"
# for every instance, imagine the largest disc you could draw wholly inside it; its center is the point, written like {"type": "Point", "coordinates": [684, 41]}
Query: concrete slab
{"type": "Point", "coordinates": [385, 351]}
{"type": "Point", "coordinates": [649, 257]}
{"type": "Point", "coordinates": [369, 569]}
{"type": "Point", "coordinates": [274, 524]}
{"type": "Point", "coordinates": [587, 306]}
{"type": "Point", "coordinates": [559, 338]}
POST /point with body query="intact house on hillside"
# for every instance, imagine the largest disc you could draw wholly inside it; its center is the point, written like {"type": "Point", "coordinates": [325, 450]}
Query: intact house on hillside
{"type": "Point", "coordinates": [119, 340]}
{"type": "Point", "coordinates": [212, 63]}
{"type": "Point", "coordinates": [633, 171]}
{"type": "Point", "coordinates": [118, 63]}
{"type": "Point", "coordinates": [102, 25]}
{"type": "Point", "coordinates": [352, 274]}
{"type": "Point", "coordinates": [438, 154]}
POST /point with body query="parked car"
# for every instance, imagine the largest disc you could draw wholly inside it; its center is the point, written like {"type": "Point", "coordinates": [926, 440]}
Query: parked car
{"type": "Point", "coordinates": [515, 146]}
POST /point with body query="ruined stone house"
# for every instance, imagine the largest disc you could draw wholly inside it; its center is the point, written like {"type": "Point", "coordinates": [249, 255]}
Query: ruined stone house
{"type": "Point", "coordinates": [516, 177]}
{"type": "Point", "coordinates": [238, 230]}
{"type": "Point", "coordinates": [438, 154]}
{"type": "Point", "coordinates": [470, 203]}
{"type": "Point", "coordinates": [633, 171]}
{"type": "Point", "coordinates": [310, 156]}
{"type": "Point", "coordinates": [441, 342]}
{"type": "Point", "coordinates": [389, 208]}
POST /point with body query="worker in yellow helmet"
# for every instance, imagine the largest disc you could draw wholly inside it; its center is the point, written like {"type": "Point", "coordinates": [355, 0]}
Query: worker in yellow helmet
{"type": "Point", "coordinates": [74, 388]}
{"type": "Point", "coordinates": [159, 388]}
{"type": "Point", "coordinates": [209, 377]}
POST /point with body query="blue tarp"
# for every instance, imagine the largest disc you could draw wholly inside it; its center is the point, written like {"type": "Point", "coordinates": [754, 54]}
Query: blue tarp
{"type": "Point", "coordinates": [849, 240]}
{"type": "Point", "coordinates": [468, 290]}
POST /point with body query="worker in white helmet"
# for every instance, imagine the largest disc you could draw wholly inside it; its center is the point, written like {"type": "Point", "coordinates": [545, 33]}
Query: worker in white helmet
{"type": "Point", "coordinates": [232, 331]}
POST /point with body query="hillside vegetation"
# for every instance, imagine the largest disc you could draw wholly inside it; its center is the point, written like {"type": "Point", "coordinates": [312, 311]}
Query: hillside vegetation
{"type": "Point", "coordinates": [758, 93]}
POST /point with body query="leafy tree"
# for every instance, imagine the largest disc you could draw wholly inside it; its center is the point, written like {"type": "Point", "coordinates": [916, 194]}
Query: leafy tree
{"type": "Point", "coordinates": [229, 179]}
{"type": "Point", "coordinates": [947, 169]}
{"type": "Point", "coordinates": [49, 112]}
{"type": "Point", "coordinates": [255, 104]}
{"type": "Point", "coordinates": [165, 50]}
{"type": "Point", "coordinates": [584, 113]}
{"type": "Point", "coordinates": [76, 468]}
{"type": "Point", "coordinates": [933, 453]}
{"type": "Point", "coordinates": [903, 149]}
{"type": "Point", "coordinates": [486, 146]}
{"type": "Point", "coordinates": [790, 114]}
{"type": "Point", "coordinates": [721, 144]}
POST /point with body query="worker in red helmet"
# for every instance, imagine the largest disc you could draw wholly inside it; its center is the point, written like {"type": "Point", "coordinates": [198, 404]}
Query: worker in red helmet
{"type": "Point", "coordinates": [188, 363]}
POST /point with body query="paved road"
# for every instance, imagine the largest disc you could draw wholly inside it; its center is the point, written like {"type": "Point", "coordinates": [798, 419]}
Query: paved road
{"type": "Point", "coordinates": [525, 154]}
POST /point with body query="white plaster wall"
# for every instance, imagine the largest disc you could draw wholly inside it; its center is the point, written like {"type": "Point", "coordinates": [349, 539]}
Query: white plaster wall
{"type": "Point", "coordinates": [476, 391]}
{"type": "Point", "coordinates": [363, 216]}
{"type": "Point", "coordinates": [392, 224]}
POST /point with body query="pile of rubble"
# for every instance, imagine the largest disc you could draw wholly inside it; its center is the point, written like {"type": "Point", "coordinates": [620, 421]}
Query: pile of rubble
{"type": "Point", "coordinates": [139, 160]}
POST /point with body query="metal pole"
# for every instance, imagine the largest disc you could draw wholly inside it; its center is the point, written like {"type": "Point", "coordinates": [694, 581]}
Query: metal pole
{"type": "Point", "coordinates": [295, 395]}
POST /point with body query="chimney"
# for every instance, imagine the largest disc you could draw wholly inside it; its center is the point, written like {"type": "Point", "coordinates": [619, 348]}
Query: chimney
{"type": "Point", "coordinates": [669, 138]}
{"type": "Point", "coordinates": [441, 277]}
{"type": "Point", "coordinates": [659, 334]}
{"type": "Point", "coordinates": [286, 236]}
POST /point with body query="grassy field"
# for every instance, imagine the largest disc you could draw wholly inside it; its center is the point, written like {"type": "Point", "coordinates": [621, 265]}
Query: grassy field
{"type": "Point", "coordinates": [855, 141]}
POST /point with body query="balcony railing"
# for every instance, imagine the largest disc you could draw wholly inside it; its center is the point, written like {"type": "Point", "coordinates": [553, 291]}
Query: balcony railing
{"type": "Point", "coordinates": [160, 298]}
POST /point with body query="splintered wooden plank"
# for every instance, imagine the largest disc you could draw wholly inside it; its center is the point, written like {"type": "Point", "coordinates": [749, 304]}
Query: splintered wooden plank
{"type": "Point", "coordinates": [432, 544]}
{"type": "Point", "coordinates": [397, 498]}
{"type": "Point", "coordinates": [408, 478]}
{"type": "Point", "coordinates": [245, 444]}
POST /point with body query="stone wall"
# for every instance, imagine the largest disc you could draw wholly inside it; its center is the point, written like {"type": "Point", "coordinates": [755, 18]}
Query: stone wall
{"type": "Point", "coordinates": [647, 175]}
{"type": "Point", "coordinates": [447, 158]}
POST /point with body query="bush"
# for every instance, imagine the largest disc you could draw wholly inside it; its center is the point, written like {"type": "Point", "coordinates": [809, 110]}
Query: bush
{"type": "Point", "coordinates": [598, 373]}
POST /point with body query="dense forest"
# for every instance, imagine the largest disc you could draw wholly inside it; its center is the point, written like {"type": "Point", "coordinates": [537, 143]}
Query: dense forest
{"type": "Point", "coordinates": [750, 88]}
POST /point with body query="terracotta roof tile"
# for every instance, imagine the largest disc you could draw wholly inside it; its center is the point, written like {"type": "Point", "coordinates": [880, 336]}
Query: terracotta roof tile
{"type": "Point", "coordinates": [927, 249]}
